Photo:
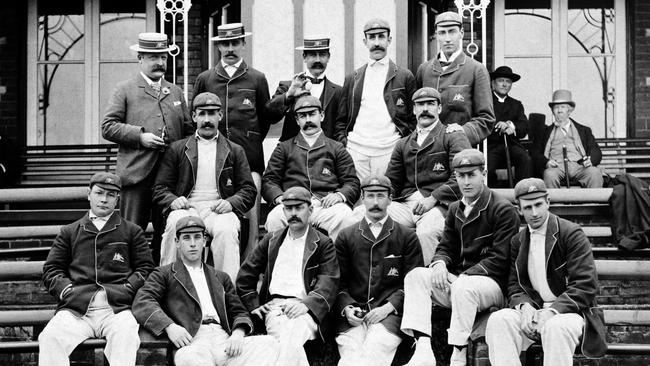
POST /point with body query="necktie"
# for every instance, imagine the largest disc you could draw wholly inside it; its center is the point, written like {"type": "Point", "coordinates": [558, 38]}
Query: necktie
{"type": "Point", "coordinates": [156, 88]}
{"type": "Point", "coordinates": [444, 63]}
{"type": "Point", "coordinates": [315, 80]}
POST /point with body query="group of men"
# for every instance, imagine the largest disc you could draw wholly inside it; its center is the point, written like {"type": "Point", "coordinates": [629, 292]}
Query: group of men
{"type": "Point", "coordinates": [357, 169]}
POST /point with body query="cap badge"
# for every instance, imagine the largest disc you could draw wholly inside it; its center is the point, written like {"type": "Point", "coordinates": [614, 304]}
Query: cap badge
{"type": "Point", "coordinates": [375, 25]}
{"type": "Point", "coordinates": [160, 44]}
{"type": "Point", "coordinates": [464, 161]}
{"type": "Point", "coordinates": [110, 181]}
{"type": "Point", "coordinates": [374, 181]}
{"type": "Point", "coordinates": [318, 43]}
{"type": "Point", "coordinates": [532, 189]}
{"type": "Point", "coordinates": [191, 223]}
{"type": "Point", "coordinates": [228, 33]}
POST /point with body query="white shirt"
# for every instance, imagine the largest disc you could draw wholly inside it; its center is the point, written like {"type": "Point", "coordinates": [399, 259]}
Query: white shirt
{"type": "Point", "coordinates": [501, 100]}
{"type": "Point", "coordinates": [316, 89]}
{"type": "Point", "coordinates": [377, 226]}
{"type": "Point", "coordinates": [99, 221]}
{"type": "Point", "coordinates": [286, 278]}
{"type": "Point", "coordinates": [468, 206]}
{"type": "Point", "coordinates": [205, 188]}
{"type": "Point", "coordinates": [149, 81]}
{"type": "Point", "coordinates": [537, 263]}
{"type": "Point", "coordinates": [201, 285]}
{"type": "Point", "coordinates": [424, 132]}
{"type": "Point", "coordinates": [230, 69]}
{"type": "Point", "coordinates": [311, 140]}
{"type": "Point", "coordinates": [451, 58]}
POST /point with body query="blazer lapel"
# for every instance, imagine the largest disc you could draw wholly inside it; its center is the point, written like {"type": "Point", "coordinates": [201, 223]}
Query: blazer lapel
{"type": "Point", "coordinates": [142, 83]}
{"type": "Point", "coordinates": [328, 93]}
{"type": "Point", "coordinates": [388, 227]}
{"type": "Point", "coordinates": [191, 152]}
{"type": "Point", "coordinates": [217, 294]}
{"type": "Point", "coordinates": [552, 229]}
{"type": "Point", "coordinates": [220, 71]}
{"type": "Point", "coordinates": [357, 89]}
{"type": "Point", "coordinates": [183, 277]}
{"type": "Point", "coordinates": [164, 85]}
{"type": "Point", "coordinates": [392, 72]}
{"type": "Point", "coordinates": [223, 149]}
{"type": "Point", "coordinates": [311, 244]}
{"type": "Point", "coordinates": [480, 205]}
{"type": "Point", "coordinates": [522, 259]}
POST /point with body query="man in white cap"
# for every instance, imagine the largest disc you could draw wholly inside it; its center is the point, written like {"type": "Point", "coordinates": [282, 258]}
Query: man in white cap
{"type": "Point", "coordinates": [144, 115]}
{"type": "Point", "coordinates": [375, 111]}
{"type": "Point", "coordinates": [316, 55]}
{"type": "Point", "coordinates": [243, 92]}
{"type": "Point", "coordinates": [463, 83]}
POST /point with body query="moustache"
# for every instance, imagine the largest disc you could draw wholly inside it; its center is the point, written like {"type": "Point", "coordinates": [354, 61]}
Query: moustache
{"type": "Point", "coordinates": [294, 219]}
{"type": "Point", "coordinates": [426, 114]}
{"type": "Point", "coordinates": [229, 54]}
{"type": "Point", "coordinates": [318, 65]}
{"type": "Point", "coordinates": [309, 125]}
{"type": "Point", "coordinates": [207, 124]}
{"type": "Point", "coordinates": [160, 68]}
{"type": "Point", "coordinates": [378, 48]}
{"type": "Point", "coordinates": [375, 209]}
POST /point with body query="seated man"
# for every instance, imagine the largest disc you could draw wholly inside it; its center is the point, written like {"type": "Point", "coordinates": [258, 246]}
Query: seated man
{"type": "Point", "coordinates": [552, 288]}
{"type": "Point", "coordinates": [512, 124]}
{"type": "Point", "coordinates": [374, 256]}
{"type": "Point", "coordinates": [300, 279]}
{"type": "Point", "coordinates": [419, 170]}
{"type": "Point", "coordinates": [317, 163]}
{"type": "Point", "coordinates": [198, 308]}
{"type": "Point", "coordinates": [206, 175]}
{"type": "Point", "coordinates": [470, 268]}
{"type": "Point", "coordinates": [94, 269]}
{"type": "Point", "coordinates": [567, 140]}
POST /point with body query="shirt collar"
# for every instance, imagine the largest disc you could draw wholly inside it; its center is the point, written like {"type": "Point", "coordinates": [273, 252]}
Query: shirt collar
{"type": "Point", "coordinates": [149, 81]}
{"type": "Point", "coordinates": [542, 229]}
{"type": "Point", "coordinates": [309, 74]}
{"type": "Point", "coordinates": [501, 100]}
{"type": "Point", "coordinates": [382, 62]}
{"type": "Point", "coordinates": [236, 65]}
{"type": "Point", "coordinates": [92, 216]}
{"type": "Point", "coordinates": [194, 269]}
{"type": "Point", "coordinates": [198, 137]}
{"type": "Point", "coordinates": [427, 129]}
{"type": "Point", "coordinates": [303, 237]}
{"type": "Point", "coordinates": [380, 222]}
{"type": "Point", "coordinates": [565, 127]}
{"type": "Point", "coordinates": [314, 137]}
{"type": "Point", "coordinates": [469, 204]}
{"type": "Point", "coordinates": [452, 57]}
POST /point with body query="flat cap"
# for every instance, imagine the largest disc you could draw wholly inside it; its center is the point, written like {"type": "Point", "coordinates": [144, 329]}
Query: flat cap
{"type": "Point", "coordinates": [448, 18]}
{"type": "Point", "coordinates": [206, 100]}
{"type": "Point", "coordinates": [295, 196]}
{"type": "Point", "coordinates": [426, 93]}
{"type": "Point", "coordinates": [376, 182]}
{"type": "Point", "coordinates": [376, 25]}
{"type": "Point", "coordinates": [468, 160]}
{"type": "Point", "coordinates": [307, 102]}
{"type": "Point", "coordinates": [189, 224]}
{"type": "Point", "coordinates": [106, 180]}
{"type": "Point", "coordinates": [530, 188]}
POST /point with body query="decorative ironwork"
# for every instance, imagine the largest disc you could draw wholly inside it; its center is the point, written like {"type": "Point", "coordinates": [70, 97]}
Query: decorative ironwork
{"type": "Point", "coordinates": [175, 11]}
{"type": "Point", "coordinates": [475, 9]}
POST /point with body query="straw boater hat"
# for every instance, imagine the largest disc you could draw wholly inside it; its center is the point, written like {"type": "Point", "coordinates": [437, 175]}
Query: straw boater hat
{"type": "Point", "coordinates": [314, 44]}
{"type": "Point", "coordinates": [226, 32]}
{"type": "Point", "coordinates": [152, 43]}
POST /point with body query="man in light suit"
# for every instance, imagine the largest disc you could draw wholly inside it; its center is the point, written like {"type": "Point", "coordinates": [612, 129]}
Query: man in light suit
{"type": "Point", "coordinates": [144, 115]}
{"type": "Point", "coordinates": [316, 54]}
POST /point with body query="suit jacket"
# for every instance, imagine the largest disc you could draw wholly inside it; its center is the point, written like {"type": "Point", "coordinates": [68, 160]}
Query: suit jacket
{"type": "Point", "coordinates": [169, 297]}
{"type": "Point", "coordinates": [510, 110]}
{"type": "Point", "coordinates": [89, 259]}
{"type": "Point", "coordinates": [373, 270]}
{"type": "Point", "coordinates": [177, 174]}
{"type": "Point", "coordinates": [570, 270]}
{"type": "Point", "coordinates": [243, 98]}
{"type": "Point", "coordinates": [426, 168]}
{"type": "Point", "coordinates": [320, 272]}
{"type": "Point", "coordinates": [398, 90]}
{"type": "Point", "coordinates": [282, 106]}
{"type": "Point", "coordinates": [586, 137]}
{"type": "Point", "coordinates": [466, 94]}
{"type": "Point", "coordinates": [479, 245]}
{"type": "Point", "coordinates": [323, 168]}
{"type": "Point", "coordinates": [134, 108]}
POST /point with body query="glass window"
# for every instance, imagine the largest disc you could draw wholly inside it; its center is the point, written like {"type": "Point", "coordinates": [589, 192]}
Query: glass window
{"type": "Point", "coordinates": [61, 93]}
{"type": "Point", "coordinates": [528, 27]}
{"type": "Point", "coordinates": [120, 22]}
{"type": "Point", "coordinates": [60, 30]}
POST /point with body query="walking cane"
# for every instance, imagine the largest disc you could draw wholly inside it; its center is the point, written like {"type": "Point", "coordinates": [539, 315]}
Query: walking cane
{"type": "Point", "coordinates": [508, 163]}
{"type": "Point", "coordinates": [566, 166]}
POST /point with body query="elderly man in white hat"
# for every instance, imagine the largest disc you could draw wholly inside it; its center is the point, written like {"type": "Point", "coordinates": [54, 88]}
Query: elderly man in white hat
{"type": "Point", "coordinates": [244, 92]}
{"type": "Point", "coordinates": [144, 115]}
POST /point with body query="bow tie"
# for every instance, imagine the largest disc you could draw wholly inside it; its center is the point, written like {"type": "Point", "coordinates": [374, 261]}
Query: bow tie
{"type": "Point", "coordinates": [93, 218]}
{"type": "Point", "coordinates": [155, 87]}
{"type": "Point", "coordinates": [315, 80]}
{"type": "Point", "coordinates": [445, 63]}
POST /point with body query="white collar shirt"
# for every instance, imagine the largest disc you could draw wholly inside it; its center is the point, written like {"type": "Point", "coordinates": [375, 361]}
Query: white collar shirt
{"type": "Point", "coordinates": [537, 262]}
{"type": "Point", "coordinates": [424, 132]}
{"type": "Point", "coordinates": [453, 56]}
{"type": "Point", "coordinates": [316, 89]}
{"type": "Point", "coordinates": [376, 227]}
{"type": "Point", "coordinates": [231, 69]}
{"type": "Point", "coordinates": [468, 206]}
{"type": "Point", "coordinates": [287, 277]}
{"type": "Point", "coordinates": [201, 285]}
{"type": "Point", "coordinates": [98, 221]}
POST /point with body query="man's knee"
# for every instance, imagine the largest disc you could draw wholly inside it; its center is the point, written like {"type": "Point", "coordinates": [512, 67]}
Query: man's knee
{"type": "Point", "coordinates": [557, 327]}
{"type": "Point", "coordinates": [500, 319]}
{"type": "Point", "coordinates": [174, 216]}
{"type": "Point", "coordinates": [190, 356]}
{"type": "Point", "coordinates": [418, 276]}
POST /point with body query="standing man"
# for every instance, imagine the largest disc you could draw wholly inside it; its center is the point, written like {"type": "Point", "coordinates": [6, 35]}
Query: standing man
{"type": "Point", "coordinates": [552, 288]}
{"type": "Point", "coordinates": [199, 310]}
{"type": "Point", "coordinates": [375, 112]}
{"type": "Point", "coordinates": [314, 162]}
{"type": "Point", "coordinates": [374, 255]}
{"type": "Point", "coordinates": [511, 123]}
{"type": "Point", "coordinates": [421, 175]}
{"type": "Point", "coordinates": [144, 115]}
{"type": "Point", "coordinates": [463, 83]}
{"type": "Point", "coordinates": [567, 137]}
{"type": "Point", "coordinates": [95, 267]}
{"type": "Point", "coordinates": [208, 176]}
{"type": "Point", "coordinates": [300, 279]}
{"type": "Point", "coordinates": [316, 55]}
{"type": "Point", "coordinates": [469, 271]}
{"type": "Point", "coordinates": [244, 92]}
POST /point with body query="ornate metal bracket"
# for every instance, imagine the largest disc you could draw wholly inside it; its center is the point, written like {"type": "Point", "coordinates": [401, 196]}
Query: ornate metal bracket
{"type": "Point", "coordinates": [474, 9]}
{"type": "Point", "coordinates": [175, 11]}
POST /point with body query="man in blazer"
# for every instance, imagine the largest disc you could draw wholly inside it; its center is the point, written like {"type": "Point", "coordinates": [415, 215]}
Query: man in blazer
{"type": "Point", "coordinates": [469, 271]}
{"type": "Point", "coordinates": [206, 175]}
{"type": "Point", "coordinates": [93, 270]}
{"type": "Point", "coordinates": [463, 82]}
{"type": "Point", "coordinates": [198, 308]}
{"type": "Point", "coordinates": [374, 255]}
{"type": "Point", "coordinates": [143, 116]}
{"type": "Point", "coordinates": [552, 288]}
{"type": "Point", "coordinates": [316, 55]}
{"type": "Point", "coordinates": [375, 112]}
{"type": "Point", "coordinates": [582, 151]}
{"type": "Point", "coordinates": [300, 279]}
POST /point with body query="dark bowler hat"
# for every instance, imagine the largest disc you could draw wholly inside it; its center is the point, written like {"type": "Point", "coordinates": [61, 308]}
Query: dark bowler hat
{"type": "Point", "coordinates": [295, 196]}
{"type": "Point", "coordinates": [468, 160]}
{"type": "Point", "coordinates": [230, 31]}
{"type": "Point", "coordinates": [106, 180]}
{"type": "Point", "coordinates": [448, 18]}
{"type": "Point", "coordinates": [307, 102]}
{"type": "Point", "coordinates": [426, 93]}
{"type": "Point", "coordinates": [206, 100]}
{"type": "Point", "coordinates": [504, 72]}
{"type": "Point", "coordinates": [376, 182]}
{"type": "Point", "coordinates": [562, 97]}
{"type": "Point", "coordinates": [530, 188]}
{"type": "Point", "coordinates": [152, 43]}
{"type": "Point", "coordinates": [314, 44]}
{"type": "Point", "coordinates": [189, 224]}
{"type": "Point", "coordinates": [376, 25]}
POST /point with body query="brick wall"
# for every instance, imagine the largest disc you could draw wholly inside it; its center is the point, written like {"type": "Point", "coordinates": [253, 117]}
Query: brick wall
{"type": "Point", "coordinates": [641, 67]}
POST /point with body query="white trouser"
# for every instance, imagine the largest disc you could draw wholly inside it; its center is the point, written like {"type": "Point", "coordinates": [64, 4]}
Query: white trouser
{"type": "Point", "coordinates": [224, 229]}
{"type": "Point", "coordinates": [207, 349]}
{"type": "Point", "coordinates": [65, 331]}
{"type": "Point", "coordinates": [367, 165]}
{"type": "Point", "coordinates": [290, 333]}
{"type": "Point", "coordinates": [560, 337]}
{"type": "Point", "coordinates": [332, 219]}
{"type": "Point", "coordinates": [367, 345]}
{"type": "Point", "coordinates": [467, 295]}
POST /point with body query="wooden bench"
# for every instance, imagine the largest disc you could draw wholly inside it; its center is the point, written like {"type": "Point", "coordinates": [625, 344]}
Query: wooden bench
{"type": "Point", "coordinates": [621, 156]}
